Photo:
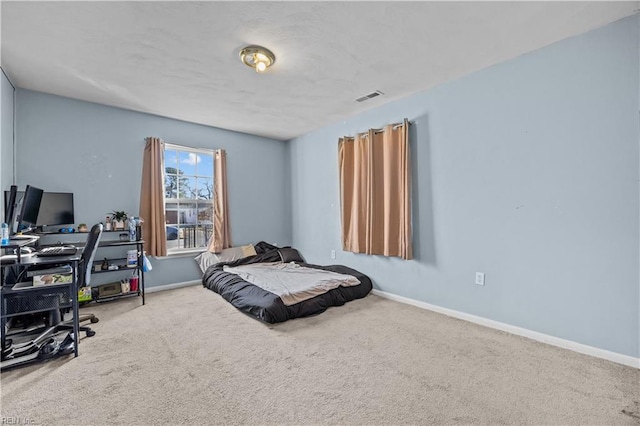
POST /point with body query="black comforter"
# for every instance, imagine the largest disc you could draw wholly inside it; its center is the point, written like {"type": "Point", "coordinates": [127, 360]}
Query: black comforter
{"type": "Point", "coordinates": [267, 306]}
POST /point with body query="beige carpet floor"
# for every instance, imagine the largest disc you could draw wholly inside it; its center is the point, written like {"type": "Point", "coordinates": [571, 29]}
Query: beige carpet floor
{"type": "Point", "coordinates": [188, 357]}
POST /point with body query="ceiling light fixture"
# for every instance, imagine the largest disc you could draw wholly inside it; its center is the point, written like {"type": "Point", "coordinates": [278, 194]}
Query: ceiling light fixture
{"type": "Point", "coordinates": [257, 57]}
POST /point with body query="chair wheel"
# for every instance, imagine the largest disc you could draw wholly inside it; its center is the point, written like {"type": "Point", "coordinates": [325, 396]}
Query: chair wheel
{"type": "Point", "coordinates": [90, 333]}
{"type": "Point", "coordinates": [94, 320]}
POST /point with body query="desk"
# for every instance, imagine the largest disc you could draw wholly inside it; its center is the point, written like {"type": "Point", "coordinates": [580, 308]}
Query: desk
{"type": "Point", "coordinates": [23, 239]}
{"type": "Point", "coordinates": [16, 243]}
{"type": "Point", "coordinates": [45, 298]}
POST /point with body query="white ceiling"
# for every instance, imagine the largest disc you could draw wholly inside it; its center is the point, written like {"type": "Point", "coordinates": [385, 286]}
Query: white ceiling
{"type": "Point", "coordinates": [180, 59]}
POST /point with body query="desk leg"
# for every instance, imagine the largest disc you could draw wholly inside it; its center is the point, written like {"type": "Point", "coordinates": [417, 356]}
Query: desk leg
{"type": "Point", "coordinates": [3, 336]}
{"type": "Point", "coordinates": [76, 313]}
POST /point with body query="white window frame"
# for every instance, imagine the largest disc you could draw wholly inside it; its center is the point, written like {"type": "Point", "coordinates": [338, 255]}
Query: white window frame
{"type": "Point", "coordinates": [173, 251]}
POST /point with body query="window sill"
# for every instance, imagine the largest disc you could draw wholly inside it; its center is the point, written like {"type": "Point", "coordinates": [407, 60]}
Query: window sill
{"type": "Point", "coordinates": [186, 253]}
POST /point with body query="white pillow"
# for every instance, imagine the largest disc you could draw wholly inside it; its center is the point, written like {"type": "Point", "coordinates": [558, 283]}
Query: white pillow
{"type": "Point", "coordinates": [206, 259]}
{"type": "Point", "coordinates": [248, 250]}
{"type": "Point", "coordinates": [235, 253]}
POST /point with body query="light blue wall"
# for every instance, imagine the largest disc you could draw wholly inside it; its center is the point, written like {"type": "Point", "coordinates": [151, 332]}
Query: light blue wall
{"type": "Point", "coordinates": [6, 135]}
{"type": "Point", "coordinates": [527, 171]}
{"type": "Point", "coordinates": [95, 151]}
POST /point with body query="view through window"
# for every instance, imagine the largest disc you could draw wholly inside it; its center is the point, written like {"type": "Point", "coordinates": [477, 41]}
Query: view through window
{"type": "Point", "coordinates": [188, 183]}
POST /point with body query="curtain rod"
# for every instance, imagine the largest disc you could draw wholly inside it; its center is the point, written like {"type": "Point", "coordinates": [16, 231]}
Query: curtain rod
{"type": "Point", "coordinates": [186, 147]}
{"type": "Point", "coordinates": [394, 126]}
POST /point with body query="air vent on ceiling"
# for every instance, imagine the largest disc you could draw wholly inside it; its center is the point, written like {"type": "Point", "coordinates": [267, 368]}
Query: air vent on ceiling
{"type": "Point", "coordinates": [369, 96]}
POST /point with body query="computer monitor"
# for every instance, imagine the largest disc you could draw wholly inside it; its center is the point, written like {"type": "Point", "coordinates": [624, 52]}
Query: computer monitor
{"type": "Point", "coordinates": [29, 209]}
{"type": "Point", "coordinates": [56, 209]}
{"type": "Point", "coordinates": [9, 205]}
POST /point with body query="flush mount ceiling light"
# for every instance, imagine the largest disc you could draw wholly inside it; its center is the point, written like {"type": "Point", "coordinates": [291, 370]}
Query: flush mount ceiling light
{"type": "Point", "coordinates": [257, 57]}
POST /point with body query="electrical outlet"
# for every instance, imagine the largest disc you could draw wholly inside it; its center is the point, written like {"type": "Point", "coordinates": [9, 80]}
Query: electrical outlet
{"type": "Point", "coordinates": [480, 278]}
{"type": "Point", "coordinates": [333, 254]}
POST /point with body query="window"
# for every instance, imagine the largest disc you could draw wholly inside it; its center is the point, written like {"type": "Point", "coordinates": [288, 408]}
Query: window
{"type": "Point", "coordinates": [188, 197]}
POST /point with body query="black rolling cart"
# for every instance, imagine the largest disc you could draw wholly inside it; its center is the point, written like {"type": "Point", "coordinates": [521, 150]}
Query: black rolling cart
{"type": "Point", "coordinates": [24, 298]}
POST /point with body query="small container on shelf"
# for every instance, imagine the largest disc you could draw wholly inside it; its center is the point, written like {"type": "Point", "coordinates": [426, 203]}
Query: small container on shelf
{"type": "Point", "coordinates": [139, 222]}
{"type": "Point", "coordinates": [132, 258]}
{"type": "Point", "coordinates": [133, 283]}
{"type": "Point", "coordinates": [132, 229]}
{"type": "Point", "coordinates": [84, 294]}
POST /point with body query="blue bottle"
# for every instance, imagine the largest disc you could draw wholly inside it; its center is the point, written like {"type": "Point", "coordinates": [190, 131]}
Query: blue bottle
{"type": "Point", "coordinates": [5, 234]}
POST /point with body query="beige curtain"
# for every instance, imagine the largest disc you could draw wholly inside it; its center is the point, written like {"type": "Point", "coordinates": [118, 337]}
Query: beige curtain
{"type": "Point", "coordinates": [221, 238]}
{"type": "Point", "coordinates": [375, 191]}
{"type": "Point", "coordinates": [152, 198]}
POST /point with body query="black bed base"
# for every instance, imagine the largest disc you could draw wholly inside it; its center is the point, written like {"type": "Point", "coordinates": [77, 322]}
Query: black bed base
{"type": "Point", "coordinates": [268, 307]}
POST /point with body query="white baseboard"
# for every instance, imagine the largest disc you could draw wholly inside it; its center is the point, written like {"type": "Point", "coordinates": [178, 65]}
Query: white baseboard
{"type": "Point", "coordinates": [540, 337]}
{"type": "Point", "coordinates": [172, 286]}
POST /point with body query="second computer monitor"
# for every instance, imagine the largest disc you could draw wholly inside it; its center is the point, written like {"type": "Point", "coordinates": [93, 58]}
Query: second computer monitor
{"type": "Point", "coordinates": [29, 208]}
{"type": "Point", "coordinates": [56, 209]}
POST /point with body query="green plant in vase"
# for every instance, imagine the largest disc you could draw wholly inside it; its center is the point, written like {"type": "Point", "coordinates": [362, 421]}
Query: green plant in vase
{"type": "Point", "coordinates": [118, 217]}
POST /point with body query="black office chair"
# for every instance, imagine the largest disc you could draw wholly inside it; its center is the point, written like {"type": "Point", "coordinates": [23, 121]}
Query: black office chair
{"type": "Point", "coordinates": [45, 344]}
{"type": "Point", "coordinates": [84, 278]}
